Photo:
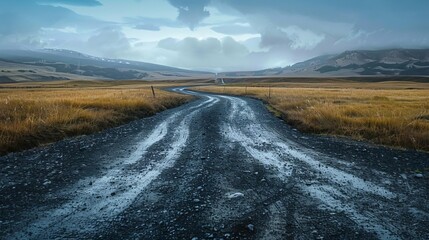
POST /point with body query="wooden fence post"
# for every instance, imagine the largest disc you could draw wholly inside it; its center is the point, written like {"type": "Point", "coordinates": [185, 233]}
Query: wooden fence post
{"type": "Point", "coordinates": [153, 92]}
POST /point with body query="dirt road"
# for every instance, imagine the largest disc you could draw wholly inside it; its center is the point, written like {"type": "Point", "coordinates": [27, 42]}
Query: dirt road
{"type": "Point", "coordinates": [220, 167]}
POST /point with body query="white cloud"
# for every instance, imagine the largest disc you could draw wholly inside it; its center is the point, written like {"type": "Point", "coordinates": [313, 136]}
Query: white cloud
{"type": "Point", "coordinates": [110, 42]}
{"type": "Point", "coordinates": [234, 29]}
{"type": "Point", "coordinates": [206, 54]}
{"type": "Point", "coordinates": [303, 39]}
{"type": "Point", "coordinates": [147, 27]}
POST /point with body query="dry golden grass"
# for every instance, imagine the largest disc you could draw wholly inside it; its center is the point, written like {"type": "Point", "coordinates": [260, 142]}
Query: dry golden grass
{"type": "Point", "coordinates": [390, 117]}
{"type": "Point", "coordinates": [341, 83]}
{"type": "Point", "coordinates": [30, 117]}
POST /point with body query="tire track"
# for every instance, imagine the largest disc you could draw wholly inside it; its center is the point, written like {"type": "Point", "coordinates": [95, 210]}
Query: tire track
{"type": "Point", "coordinates": [269, 149]}
{"type": "Point", "coordinates": [108, 196]}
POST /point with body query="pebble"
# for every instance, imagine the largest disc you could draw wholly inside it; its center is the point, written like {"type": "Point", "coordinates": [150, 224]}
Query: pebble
{"type": "Point", "coordinates": [418, 175]}
{"type": "Point", "coordinates": [251, 227]}
{"type": "Point", "coordinates": [234, 195]}
{"type": "Point", "coordinates": [47, 182]}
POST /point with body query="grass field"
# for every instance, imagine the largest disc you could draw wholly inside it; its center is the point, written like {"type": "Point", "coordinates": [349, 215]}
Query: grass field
{"type": "Point", "coordinates": [384, 113]}
{"type": "Point", "coordinates": [46, 112]}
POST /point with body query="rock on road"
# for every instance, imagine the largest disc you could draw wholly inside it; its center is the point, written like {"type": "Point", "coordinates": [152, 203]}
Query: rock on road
{"type": "Point", "coordinates": [220, 167]}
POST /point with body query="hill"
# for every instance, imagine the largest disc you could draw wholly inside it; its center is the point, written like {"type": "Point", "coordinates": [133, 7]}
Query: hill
{"type": "Point", "coordinates": [59, 64]}
{"type": "Point", "coordinates": [392, 62]}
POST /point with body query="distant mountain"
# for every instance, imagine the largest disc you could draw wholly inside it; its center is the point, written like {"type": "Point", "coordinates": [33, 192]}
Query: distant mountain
{"type": "Point", "coordinates": [59, 64]}
{"type": "Point", "coordinates": [392, 62]}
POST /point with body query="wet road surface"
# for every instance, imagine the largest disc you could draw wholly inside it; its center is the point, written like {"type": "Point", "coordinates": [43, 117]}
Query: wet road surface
{"type": "Point", "coordinates": [220, 167]}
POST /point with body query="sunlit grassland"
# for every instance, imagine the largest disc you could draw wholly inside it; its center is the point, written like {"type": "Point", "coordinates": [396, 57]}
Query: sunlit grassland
{"type": "Point", "coordinates": [390, 116]}
{"type": "Point", "coordinates": [33, 116]}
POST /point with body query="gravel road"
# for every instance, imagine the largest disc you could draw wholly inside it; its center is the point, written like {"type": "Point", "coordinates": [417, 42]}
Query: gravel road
{"type": "Point", "coordinates": [220, 167]}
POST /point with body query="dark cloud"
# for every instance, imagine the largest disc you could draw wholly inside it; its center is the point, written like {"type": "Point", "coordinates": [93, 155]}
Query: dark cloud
{"type": "Point", "coordinates": [271, 37]}
{"type": "Point", "coordinates": [286, 30]}
{"type": "Point", "coordinates": [301, 29]}
{"type": "Point", "coordinates": [380, 11]}
{"type": "Point", "coordinates": [312, 27]}
{"type": "Point", "coordinates": [191, 12]}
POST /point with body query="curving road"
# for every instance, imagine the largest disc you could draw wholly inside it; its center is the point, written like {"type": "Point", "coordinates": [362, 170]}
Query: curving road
{"type": "Point", "coordinates": [220, 167]}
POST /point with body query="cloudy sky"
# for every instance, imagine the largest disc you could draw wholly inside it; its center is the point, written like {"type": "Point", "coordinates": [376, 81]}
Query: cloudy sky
{"type": "Point", "coordinates": [216, 35]}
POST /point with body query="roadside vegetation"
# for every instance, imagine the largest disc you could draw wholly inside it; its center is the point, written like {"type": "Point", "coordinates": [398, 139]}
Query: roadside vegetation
{"type": "Point", "coordinates": [379, 112]}
{"type": "Point", "coordinates": [39, 114]}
